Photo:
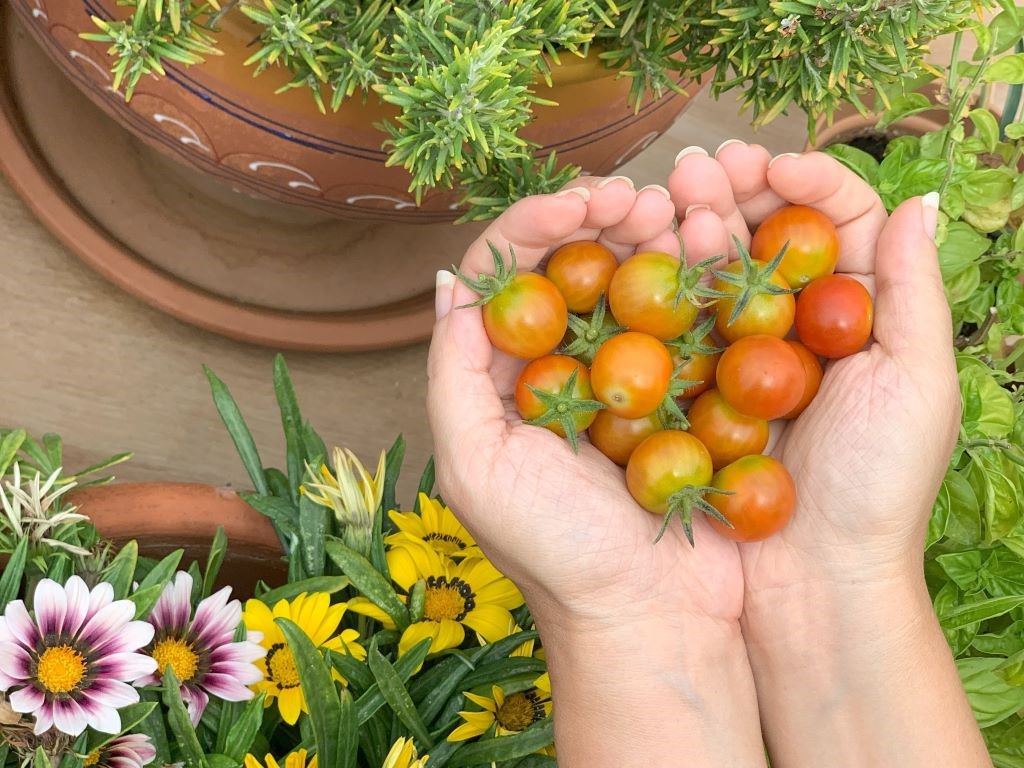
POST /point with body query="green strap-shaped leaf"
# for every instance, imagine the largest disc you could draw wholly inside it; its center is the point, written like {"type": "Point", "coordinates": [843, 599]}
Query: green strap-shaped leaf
{"type": "Point", "coordinates": [218, 548]}
{"type": "Point", "coordinates": [239, 431]}
{"type": "Point", "coordinates": [121, 571]}
{"type": "Point", "coordinates": [348, 732]}
{"type": "Point", "coordinates": [353, 670]}
{"type": "Point", "coordinates": [972, 613]}
{"type": "Point", "coordinates": [9, 447]}
{"type": "Point", "coordinates": [495, 750]}
{"type": "Point", "coordinates": [397, 697]}
{"type": "Point", "coordinates": [154, 726]}
{"type": "Point", "coordinates": [244, 730]}
{"type": "Point", "coordinates": [499, 671]}
{"type": "Point", "coordinates": [313, 524]}
{"type": "Point", "coordinates": [368, 704]}
{"type": "Point", "coordinates": [369, 581]}
{"type": "Point", "coordinates": [320, 691]}
{"type": "Point", "coordinates": [10, 579]}
{"type": "Point", "coordinates": [180, 723]}
{"type": "Point", "coordinates": [291, 423]}
{"type": "Point", "coordinates": [150, 587]}
{"type": "Point", "coordinates": [328, 584]}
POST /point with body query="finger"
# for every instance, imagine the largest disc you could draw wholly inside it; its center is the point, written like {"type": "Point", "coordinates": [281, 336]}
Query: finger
{"type": "Point", "coordinates": [531, 227]}
{"type": "Point", "coordinates": [912, 319]}
{"type": "Point", "coordinates": [649, 216]}
{"type": "Point", "coordinates": [610, 200]}
{"type": "Point", "coordinates": [701, 180]}
{"type": "Point", "coordinates": [746, 166]}
{"type": "Point", "coordinates": [704, 235]}
{"type": "Point", "coordinates": [822, 182]}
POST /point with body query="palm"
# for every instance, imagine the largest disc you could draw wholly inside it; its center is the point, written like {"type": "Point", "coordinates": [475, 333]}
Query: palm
{"type": "Point", "coordinates": [553, 520]}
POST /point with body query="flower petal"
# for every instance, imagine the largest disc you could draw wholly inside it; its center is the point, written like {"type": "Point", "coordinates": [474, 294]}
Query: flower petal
{"type": "Point", "coordinates": [489, 621]}
{"type": "Point", "coordinates": [229, 688]}
{"type": "Point", "coordinates": [291, 703]}
{"type": "Point", "coordinates": [44, 718]}
{"type": "Point", "coordinates": [77, 595]}
{"type": "Point", "coordinates": [126, 666]}
{"type": "Point", "coordinates": [69, 717]}
{"type": "Point", "coordinates": [174, 606]}
{"type": "Point", "coordinates": [27, 700]}
{"type": "Point", "coordinates": [111, 693]}
{"type": "Point", "coordinates": [217, 618]}
{"type": "Point", "coordinates": [104, 626]}
{"type": "Point", "coordinates": [195, 701]}
{"type": "Point", "coordinates": [50, 604]}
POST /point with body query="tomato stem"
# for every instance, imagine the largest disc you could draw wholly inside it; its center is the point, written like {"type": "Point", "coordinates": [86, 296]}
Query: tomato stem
{"type": "Point", "coordinates": [562, 407]}
{"type": "Point", "coordinates": [590, 333]}
{"type": "Point", "coordinates": [754, 280]}
{"type": "Point", "coordinates": [681, 505]}
{"type": "Point", "coordinates": [489, 286]}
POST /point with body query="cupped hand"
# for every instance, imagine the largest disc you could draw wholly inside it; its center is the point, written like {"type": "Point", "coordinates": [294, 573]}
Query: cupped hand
{"type": "Point", "coordinates": [869, 453]}
{"type": "Point", "coordinates": [563, 526]}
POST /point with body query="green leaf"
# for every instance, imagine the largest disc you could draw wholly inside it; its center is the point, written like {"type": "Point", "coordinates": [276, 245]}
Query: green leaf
{"type": "Point", "coordinates": [988, 408]}
{"type": "Point", "coordinates": [487, 751]}
{"type": "Point", "coordinates": [963, 568]}
{"type": "Point", "coordinates": [368, 581]}
{"type": "Point", "coordinates": [981, 610]}
{"type": "Point", "coordinates": [320, 692]}
{"type": "Point", "coordinates": [354, 671]}
{"type": "Point", "coordinates": [180, 723]}
{"type": "Point", "coordinates": [154, 725]}
{"type": "Point", "coordinates": [397, 697]}
{"type": "Point", "coordinates": [902, 107]}
{"type": "Point", "coordinates": [131, 716]}
{"type": "Point", "coordinates": [121, 571]}
{"type": "Point", "coordinates": [41, 759]}
{"type": "Point", "coordinates": [991, 698]}
{"type": "Point", "coordinates": [152, 586]}
{"type": "Point", "coordinates": [243, 731]}
{"type": "Point", "coordinates": [857, 160]}
{"type": "Point", "coordinates": [239, 431]}
{"type": "Point", "coordinates": [1008, 69]}
{"type": "Point", "coordinates": [328, 584]}
{"type": "Point", "coordinates": [218, 548]}
{"type": "Point", "coordinates": [957, 511]}
{"type": "Point", "coordinates": [986, 127]}
{"type": "Point", "coordinates": [407, 665]}
{"type": "Point", "coordinates": [282, 513]}
{"type": "Point", "coordinates": [348, 732]}
{"type": "Point", "coordinates": [291, 423]}
{"type": "Point", "coordinates": [1006, 32]}
{"type": "Point", "coordinates": [10, 579]}
{"type": "Point", "coordinates": [313, 527]}
{"type": "Point", "coordinates": [9, 447]}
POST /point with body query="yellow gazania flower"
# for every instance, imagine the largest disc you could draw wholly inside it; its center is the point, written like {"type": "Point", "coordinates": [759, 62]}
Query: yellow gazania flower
{"type": "Point", "coordinates": [471, 593]}
{"type": "Point", "coordinates": [506, 714]}
{"type": "Point", "coordinates": [293, 760]}
{"type": "Point", "coordinates": [315, 616]}
{"type": "Point", "coordinates": [403, 755]}
{"type": "Point", "coordinates": [543, 685]}
{"type": "Point", "coordinates": [436, 526]}
{"type": "Point", "coordinates": [351, 492]}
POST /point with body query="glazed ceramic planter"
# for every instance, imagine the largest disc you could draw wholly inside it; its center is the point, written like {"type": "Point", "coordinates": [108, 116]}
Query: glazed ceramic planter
{"type": "Point", "coordinates": [218, 118]}
{"type": "Point", "coordinates": [163, 517]}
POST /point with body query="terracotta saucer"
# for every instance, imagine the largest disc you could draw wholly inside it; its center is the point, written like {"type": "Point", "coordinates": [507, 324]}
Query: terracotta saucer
{"type": "Point", "coordinates": [254, 270]}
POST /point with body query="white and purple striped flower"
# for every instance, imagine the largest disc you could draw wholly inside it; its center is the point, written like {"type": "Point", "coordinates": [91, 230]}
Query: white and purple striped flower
{"type": "Point", "coordinates": [133, 750]}
{"type": "Point", "coordinates": [71, 666]}
{"type": "Point", "coordinates": [201, 650]}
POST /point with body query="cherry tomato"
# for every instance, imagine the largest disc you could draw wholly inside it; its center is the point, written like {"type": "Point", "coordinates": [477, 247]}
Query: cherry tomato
{"type": "Point", "coordinates": [765, 313]}
{"type": "Point", "coordinates": [550, 374]}
{"type": "Point", "coordinates": [643, 296]}
{"type": "Point", "coordinates": [582, 272]}
{"type": "Point", "coordinates": [527, 318]}
{"type": "Point", "coordinates": [698, 367]}
{"type": "Point", "coordinates": [813, 243]}
{"type": "Point", "coordinates": [834, 316]}
{"type": "Point", "coordinates": [663, 465]}
{"type": "Point", "coordinates": [617, 438]}
{"type": "Point", "coordinates": [813, 372]}
{"type": "Point", "coordinates": [726, 433]}
{"type": "Point", "coordinates": [761, 376]}
{"type": "Point", "coordinates": [631, 374]}
{"type": "Point", "coordinates": [762, 501]}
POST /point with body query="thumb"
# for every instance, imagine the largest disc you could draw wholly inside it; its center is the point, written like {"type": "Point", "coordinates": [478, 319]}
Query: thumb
{"type": "Point", "coordinates": [463, 404]}
{"type": "Point", "coordinates": [912, 318]}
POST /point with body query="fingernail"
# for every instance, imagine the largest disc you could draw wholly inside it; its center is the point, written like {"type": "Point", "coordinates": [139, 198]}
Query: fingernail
{"type": "Point", "coordinates": [690, 151]}
{"type": "Point", "coordinates": [579, 191]}
{"type": "Point", "coordinates": [444, 290]}
{"type": "Point", "coordinates": [930, 213]}
{"type": "Point", "coordinates": [605, 182]}
{"type": "Point", "coordinates": [696, 207]}
{"type": "Point", "coordinates": [779, 157]}
{"type": "Point", "coordinates": [659, 188]}
{"type": "Point", "coordinates": [725, 144]}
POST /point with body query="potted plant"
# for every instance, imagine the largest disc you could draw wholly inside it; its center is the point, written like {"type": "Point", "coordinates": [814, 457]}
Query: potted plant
{"type": "Point", "coordinates": [432, 96]}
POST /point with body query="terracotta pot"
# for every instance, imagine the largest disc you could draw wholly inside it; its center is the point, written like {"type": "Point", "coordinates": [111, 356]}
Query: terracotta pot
{"type": "Point", "coordinates": [163, 517]}
{"type": "Point", "coordinates": [219, 118]}
{"type": "Point", "coordinates": [850, 124]}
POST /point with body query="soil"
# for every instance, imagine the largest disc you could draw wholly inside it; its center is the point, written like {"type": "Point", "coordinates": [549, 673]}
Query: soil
{"type": "Point", "coordinates": [873, 142]}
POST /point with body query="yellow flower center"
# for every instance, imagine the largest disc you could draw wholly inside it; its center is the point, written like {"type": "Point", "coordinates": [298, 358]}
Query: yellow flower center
{"type": "Point", "coordinates": [177, 654]}
{"type": "Point", "coordinates": [281, 666]}
{"type": "Point", "coordinates": [520, 711]}
{"type": "Point", "coordinates": [60, 669]}
{"type": "Point", "coordinates": [92, 758]}
{"type": "Point", "coordinates": [446, 599]}
{"type": "Point", "coordinates": [445, 543]}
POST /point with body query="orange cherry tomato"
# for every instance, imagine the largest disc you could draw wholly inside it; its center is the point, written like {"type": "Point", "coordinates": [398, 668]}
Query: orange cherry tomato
{"type": "Point", "coordinates": [762, 501]}
{"type": "Point", "coordinates": [528, 318]}
{"type": "Point", "coordinates": [765, 313]}
{"type": "Point", "coordinates": [698, 367]}
{"type": "Point", "coordinates": [631, 374]}
{"type": "Point", "coordinates": [617, 438]}
{"type": "Point", "coordinates": [550, 374]}
{"type": "Point", "coordinates": [642, 296]}
{"type": "Point", "coordinates": [664, 464]}
{"type": "Point", "coordinates": [582, 272]}
{"type": "Point", "coordinates": [814, 374]}
{"type": "Point", "coordinates": [813, 243]}
{"type": "Point", "coordinates": [761, 376]}
{"type": "Point", "coordinates": [726, 433]}
{"type": "Point", "coordinates": [834, 316]}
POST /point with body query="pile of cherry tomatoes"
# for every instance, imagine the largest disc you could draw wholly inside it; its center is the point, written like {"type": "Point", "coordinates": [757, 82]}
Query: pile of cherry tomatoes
{"type": "Point", "coordinates": [676, 377]}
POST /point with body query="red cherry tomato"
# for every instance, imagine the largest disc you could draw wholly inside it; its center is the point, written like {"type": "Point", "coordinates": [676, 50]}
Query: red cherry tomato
{"type": "Point", "coordinates": [813, 243]}
{"type": "Point", "coordinates": [726, 433]}
{"type": "Point", "coordinates": [617, 438]}
{"type": "Point", "coordinates": [834, 316]}
{"type": "Point", "coordinates": [550, 374]}
{"type": "Point", "coordinates": [814, 374]}
{"type": "Point", "coordinates": [642, 296]}
{"type": "Point", "coordinates": [528, 318]}
{"type": "Point", "coordinates": [765, 313]}
{"type": "Point", "coordinates": [761, 376]}
{"type": "Point", "coordinates": [664, 464]}
{"type": "Point", "coordinates": [582, 272]}
{"type": "Point", "coordinates": [762, 501]}
{"type": "Point", "coordinates": [631, 374]}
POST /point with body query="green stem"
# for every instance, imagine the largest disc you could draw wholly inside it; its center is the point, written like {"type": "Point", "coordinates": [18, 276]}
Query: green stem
{"type": "Point", "coordinates": [1013, 96]}
{"type": "Point", "coordinates": [960, 103]}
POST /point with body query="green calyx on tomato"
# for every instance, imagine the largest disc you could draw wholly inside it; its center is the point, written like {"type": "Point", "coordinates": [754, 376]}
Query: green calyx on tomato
{"type": "Point", "coordinates": [487, 287]}
{"type": "Point", "coordinates": [682, 503]}
{"type": "Point", "coordinates": [564, 407]}
{"type": "Point", "coordinates": [589, 333]}
{"type": "Point", "coordinates": [754, 279]}
{"type": "Point", "coordinates": [694, 341]}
